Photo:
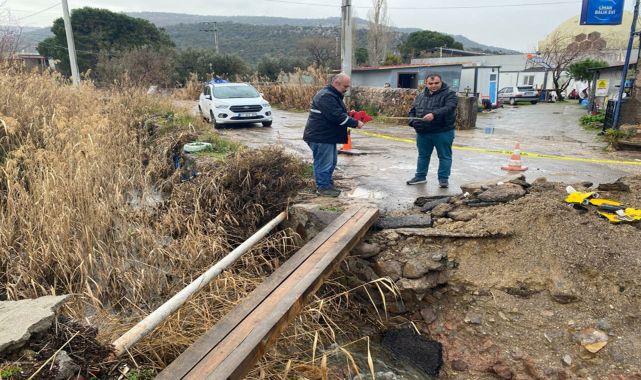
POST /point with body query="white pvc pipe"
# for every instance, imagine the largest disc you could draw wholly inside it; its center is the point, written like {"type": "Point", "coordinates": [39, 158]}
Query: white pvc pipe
{"type": "Point", "coordinates": [145, 326]}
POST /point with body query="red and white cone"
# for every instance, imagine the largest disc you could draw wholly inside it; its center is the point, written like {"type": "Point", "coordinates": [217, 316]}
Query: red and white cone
{"type": "Point", "coordinates": [514, 163]}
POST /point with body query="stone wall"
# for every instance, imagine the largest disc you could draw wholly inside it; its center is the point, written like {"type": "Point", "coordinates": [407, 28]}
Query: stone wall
{"type": "Point", "coordinates": [396, 102]}
{"type": "Point", "coordinates": [631, 109]}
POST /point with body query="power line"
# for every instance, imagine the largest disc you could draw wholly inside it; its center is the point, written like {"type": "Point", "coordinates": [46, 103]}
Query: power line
{"type": "Point", "coordinates": [432, 7]}
{"type": "Point", "coordinates": [24, 10]}
{"type": "Point", "coordinates": [38, 12]}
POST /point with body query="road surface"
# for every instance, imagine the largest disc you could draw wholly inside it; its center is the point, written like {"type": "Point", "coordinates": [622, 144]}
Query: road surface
{"type": "Point", "coordinates": [379, 175]}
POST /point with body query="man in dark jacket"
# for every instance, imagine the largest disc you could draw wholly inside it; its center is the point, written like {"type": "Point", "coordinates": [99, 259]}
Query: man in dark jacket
{"type": "Point", "coordinates": [327, 126]}
{"type": "Point", "coordinates": [433, 115]}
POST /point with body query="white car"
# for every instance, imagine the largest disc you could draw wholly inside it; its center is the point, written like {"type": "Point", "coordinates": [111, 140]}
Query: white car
{"type": "Point", "coordinates": [514, 94]}
{"type": "Point", "coordinates": [233, 103]}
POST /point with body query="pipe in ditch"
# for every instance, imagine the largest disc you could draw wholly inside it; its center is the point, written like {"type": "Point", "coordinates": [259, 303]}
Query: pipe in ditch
{"type": "Point", "coordinates": [144, 327]}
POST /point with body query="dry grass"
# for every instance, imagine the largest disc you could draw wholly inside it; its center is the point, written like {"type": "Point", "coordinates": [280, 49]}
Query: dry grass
{"type": "Point", "coordinates": [75, 165]}
{"type": "Point", "coordinates": [191, 90]}
{"type": "Point", "coordinates": [297, 91]}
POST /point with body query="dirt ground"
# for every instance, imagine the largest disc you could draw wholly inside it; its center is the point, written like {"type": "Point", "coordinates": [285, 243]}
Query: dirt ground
{"type": "Point", "coordinates": [517, 306]}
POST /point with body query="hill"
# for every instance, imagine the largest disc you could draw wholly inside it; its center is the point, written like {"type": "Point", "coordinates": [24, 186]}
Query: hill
{"type": "Point", "coordinates": [251, 42]}
{"type": "Point", "coordinates": [251, 37]}
{"type": "Point", "coordinates": [473, 45]}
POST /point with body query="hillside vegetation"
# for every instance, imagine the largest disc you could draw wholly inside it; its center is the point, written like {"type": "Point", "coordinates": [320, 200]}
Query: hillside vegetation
{"type": "Point", "coordinates": [250, 37]}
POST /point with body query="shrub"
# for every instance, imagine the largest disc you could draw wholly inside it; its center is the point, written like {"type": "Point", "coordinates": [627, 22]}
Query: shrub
{"type": "Point", "coordinates": [592, 121]}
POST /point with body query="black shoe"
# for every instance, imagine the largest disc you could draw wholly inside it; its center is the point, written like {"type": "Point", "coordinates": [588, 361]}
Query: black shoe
{"type": "Point", "coordinates": [328, 192]}
{"type": "Point", "coordinates": [443, 184]}
{"type": "Point", "coordinates": [416, 181]}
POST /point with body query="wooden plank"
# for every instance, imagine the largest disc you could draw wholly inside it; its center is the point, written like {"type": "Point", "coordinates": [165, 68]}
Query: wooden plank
{"type": "Point", "coordinates": [259, 346]}
{"type": "Point", "coordinates": [190, 357]}
{"type": "Point", "coordinates": [262, 310]}
{"type": "Point", "coordinates": [236, 362]}
{"type": "Point", "coordinates": [233, 357]}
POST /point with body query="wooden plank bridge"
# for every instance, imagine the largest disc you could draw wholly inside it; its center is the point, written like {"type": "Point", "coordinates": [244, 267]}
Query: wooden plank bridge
{"type": "Point", "coordinates": [231, 347]}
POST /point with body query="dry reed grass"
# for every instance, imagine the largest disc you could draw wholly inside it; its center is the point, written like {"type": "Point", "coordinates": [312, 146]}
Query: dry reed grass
{"type": "Point", "coordinates": [297, 91]}
{"type": "Point", "coordinates": [75, 165]}
{"type": "Point", "coordinates": [190, 90]}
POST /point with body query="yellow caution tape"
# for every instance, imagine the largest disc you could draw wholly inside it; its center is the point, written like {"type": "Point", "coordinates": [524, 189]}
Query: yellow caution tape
{"type": "Point", "coordinates": [507, 152]}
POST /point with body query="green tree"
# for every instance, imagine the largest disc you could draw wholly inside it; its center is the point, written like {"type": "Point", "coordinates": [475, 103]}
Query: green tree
{"type": "Point", "coordinates": [392, 59]}
{"type": "Point", "coordinates": [580, 70]}
{"type": "Point", "coordinates": [206, 63]}
{"type": "Point", "coordinates": [270, 67]}
{"type": "Point", "coordinates": [100, 30]}
{"type": "Point", "coordinates": [141, 67]}
{"type": "Point", "coordinates": [425, 40]}
{"type": "Point", "coordinates": [361, 56]}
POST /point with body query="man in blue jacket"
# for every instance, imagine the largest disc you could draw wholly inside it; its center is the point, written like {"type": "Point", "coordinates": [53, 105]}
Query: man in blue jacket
{"type": "Point", "coordinates": [327, 126]}
{"type": "Point", "coordinates": [433, 116]}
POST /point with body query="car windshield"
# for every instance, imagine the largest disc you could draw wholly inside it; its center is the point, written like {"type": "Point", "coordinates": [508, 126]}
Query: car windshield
{"type": "Point", "coordinates": [230, 92]}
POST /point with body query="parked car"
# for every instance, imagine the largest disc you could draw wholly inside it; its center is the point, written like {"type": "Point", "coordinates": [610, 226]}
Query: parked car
{"type": "Point", "coordinates": [233, 103]}
{"type": "Point", "coordinates": [515, 94]}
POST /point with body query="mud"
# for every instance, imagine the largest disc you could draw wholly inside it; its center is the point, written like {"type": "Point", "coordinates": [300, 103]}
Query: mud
{"type": "Point", "coordinates": [515, 306]}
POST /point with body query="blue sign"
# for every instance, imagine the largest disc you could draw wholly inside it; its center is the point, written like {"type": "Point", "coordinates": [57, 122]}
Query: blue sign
{"type": "Point", "coordinates": [602, 12]}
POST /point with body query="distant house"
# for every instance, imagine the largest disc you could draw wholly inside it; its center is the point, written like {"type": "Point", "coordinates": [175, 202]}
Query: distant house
{"type": "Point", "coordinates": [483, 81]}
{"type": "Point", "coordinates": [612, 77]}
{"type": "Point", "coordinates": [32, 60]}
{"type": "Point", "coordinates": [606, 82]}
{"type": "Point", "coordinates": [516, 69]}
{"type": "Point", "coordinates": [405, 76]}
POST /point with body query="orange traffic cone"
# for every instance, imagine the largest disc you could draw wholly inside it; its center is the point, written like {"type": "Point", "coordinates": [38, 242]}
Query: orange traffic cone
{"type": "Point", "coordinates": [514, 163]}
{"type": "Point", "coordinates": [348, 146]}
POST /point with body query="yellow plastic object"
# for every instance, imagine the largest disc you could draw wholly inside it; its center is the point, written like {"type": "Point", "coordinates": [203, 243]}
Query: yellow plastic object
{"type": "Point", "coordinates": [614, 218]}
{"type": "Point", "coordinates": [633, 213]}
{"type": "Point", "coordinates": [580, 197]}
{"type": "Point", "coordinates": [599, 201]}
{"type": "Point", "coordinates": [627, 215]}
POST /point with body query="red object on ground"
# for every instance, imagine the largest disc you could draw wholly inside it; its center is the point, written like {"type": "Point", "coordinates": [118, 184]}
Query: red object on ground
{"type": "Point", "coordinates": [361, 116]}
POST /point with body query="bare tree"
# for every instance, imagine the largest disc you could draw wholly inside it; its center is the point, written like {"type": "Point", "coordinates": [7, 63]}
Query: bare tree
{"type": "Point", "coordinates": [379, 35]}
{"type": "Point", "coordinates": [9, 34]}
{"type": "Point", "coordinates": [322, 50]}
{"type": "Point", "coordinates": [561, 50]}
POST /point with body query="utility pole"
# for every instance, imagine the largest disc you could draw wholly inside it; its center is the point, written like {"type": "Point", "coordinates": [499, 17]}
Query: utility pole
{"type": "Point", "coordinates": [215, 31]}
{"type": "Point", "coordinates": [71, 46]}
{"type": "Point", "coordinates": [216, 37]}
{"type": "Point", "coordinates": [633, 33]}
{"type": "Point", "coordinates": [346, 37]}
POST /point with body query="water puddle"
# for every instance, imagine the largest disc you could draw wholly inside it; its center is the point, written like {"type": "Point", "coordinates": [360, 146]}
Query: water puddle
{"type": "Point", "coordinates": [362, 193]}
{"type": "Point", "coordinates": [386, 365]}
{"type": "Point", "coordinates": [400, 167]}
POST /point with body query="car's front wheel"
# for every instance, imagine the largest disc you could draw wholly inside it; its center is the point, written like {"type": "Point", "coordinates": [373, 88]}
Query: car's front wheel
{"type": "Point", "coordinates": [534, 101]}
{"type": "Point", "coordinates": [267, 124]}
{"type": "Point", "coordinates": [512, 101]}
{"type": "Point", "coordinates": [212, 119]}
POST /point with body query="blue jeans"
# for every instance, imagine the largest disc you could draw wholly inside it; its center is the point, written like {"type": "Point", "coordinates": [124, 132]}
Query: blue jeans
{"type": "Point", "coordinates": [325, 158]}
{"type": "Point", "coordinates": [426, 142]}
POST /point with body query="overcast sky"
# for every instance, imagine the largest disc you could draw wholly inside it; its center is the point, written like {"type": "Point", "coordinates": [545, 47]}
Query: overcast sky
{"type": "Point", "coordinates": [512, 24]}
